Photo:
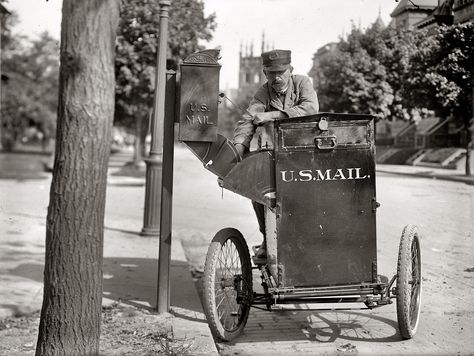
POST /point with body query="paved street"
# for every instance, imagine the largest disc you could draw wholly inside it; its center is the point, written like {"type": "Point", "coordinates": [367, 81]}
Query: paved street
{"type": "Point", "coordinates": [443, 210]}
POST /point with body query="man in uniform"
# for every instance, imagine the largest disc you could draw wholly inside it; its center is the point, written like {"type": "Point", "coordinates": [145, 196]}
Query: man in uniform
{"type": "Point", "coordinates": [284, 95]}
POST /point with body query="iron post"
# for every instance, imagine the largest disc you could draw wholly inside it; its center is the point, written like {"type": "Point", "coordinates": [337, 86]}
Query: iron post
{"type": "Point", "coordinates": [152, 219]}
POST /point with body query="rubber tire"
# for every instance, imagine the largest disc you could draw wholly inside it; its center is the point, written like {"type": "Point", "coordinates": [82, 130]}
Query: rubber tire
{"type": "Point", "coordinates": [409, 295]}
{"type": "Point", "coordinates": [210, 271]}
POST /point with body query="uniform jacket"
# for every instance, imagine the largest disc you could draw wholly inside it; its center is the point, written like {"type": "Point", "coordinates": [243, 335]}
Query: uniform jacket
{"type": "Point", "coordinates": [300, 99]}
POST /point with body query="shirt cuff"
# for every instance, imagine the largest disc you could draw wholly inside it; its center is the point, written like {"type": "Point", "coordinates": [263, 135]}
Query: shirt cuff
{"type": "Point", "coordinates": [239, 140]}
{"type": "Point", "coordinates": [291, 112]}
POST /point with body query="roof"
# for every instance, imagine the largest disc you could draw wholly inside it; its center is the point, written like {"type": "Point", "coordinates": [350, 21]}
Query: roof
{"type": "Point", "coordinates": [398, 126]}
{"type": "Point", "coordinates": [3, 10]}
{"type": "Point", "coordinates": [328, 47]}
{"type": "Point", "coordinates": [424, 126]}
{"type": "Point", "coordinates": [415, 5]}
{"type": "Point", "coordinates": [445, 10]}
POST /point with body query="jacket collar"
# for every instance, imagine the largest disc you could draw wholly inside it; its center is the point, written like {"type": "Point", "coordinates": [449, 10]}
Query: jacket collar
{"type": "Point", "coordinates": [275, 101]}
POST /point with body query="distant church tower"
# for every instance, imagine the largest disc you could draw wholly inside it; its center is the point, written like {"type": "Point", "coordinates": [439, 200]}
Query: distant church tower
{"type": "Point", "coordinates": [251, 75]}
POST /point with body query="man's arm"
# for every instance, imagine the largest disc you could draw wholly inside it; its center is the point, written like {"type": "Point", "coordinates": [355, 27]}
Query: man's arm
{"type": "Point", "coordinates": [245, 128]}
{"type": "Point", "coordinates": [263, 117]}
{"type": "Point", "coordinates": [308, 103]}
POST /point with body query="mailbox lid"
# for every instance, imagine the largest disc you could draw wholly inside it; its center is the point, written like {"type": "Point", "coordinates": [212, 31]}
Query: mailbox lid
{"type": "Point", "coordinates": [326, 222]}
{"type": "Point", "coordinates": [349, 131]}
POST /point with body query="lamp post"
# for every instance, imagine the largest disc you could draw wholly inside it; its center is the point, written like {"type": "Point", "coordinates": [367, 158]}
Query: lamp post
{"type": "Point", "coordinates": [154, 163]}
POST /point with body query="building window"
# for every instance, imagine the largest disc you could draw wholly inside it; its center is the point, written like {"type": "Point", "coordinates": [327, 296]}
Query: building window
{"type": "Point", "coordinates": [247, 77]}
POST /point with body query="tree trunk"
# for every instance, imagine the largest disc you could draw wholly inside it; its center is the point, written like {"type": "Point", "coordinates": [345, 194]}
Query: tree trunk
{"type": "Point", "coordinates": [71, 311]}
{"type": "Point", "coordinates": [145, 131]}
{"type": "Point", "coordinates": [138, 154]}
{"type": "Point", "coordinates": [469, 144]}
{"type": "Point", "coordinates": [141, 131]}
{"type": "Point", "coordinates": [470, 136]}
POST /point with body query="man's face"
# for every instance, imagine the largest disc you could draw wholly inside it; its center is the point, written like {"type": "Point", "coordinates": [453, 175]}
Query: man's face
{"type": "Point", "coordinates": [278, 79]}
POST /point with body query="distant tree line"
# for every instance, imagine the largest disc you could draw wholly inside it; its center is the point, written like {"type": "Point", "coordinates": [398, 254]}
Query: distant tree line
{"type": "Point", "coordinates": [403, 75]}
{"type": "Point", "coordinates": [30, 69]}
{"type": "Point", "coordinates": [30, 93]}
{"type": "Point", "coordinates": [136, 56]}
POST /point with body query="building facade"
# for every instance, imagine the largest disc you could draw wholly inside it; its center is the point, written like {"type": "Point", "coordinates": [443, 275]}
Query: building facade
{"type": "Point", "coordinates": [408, 13]}
{"type": "Point", "coordinates": [251, 75]}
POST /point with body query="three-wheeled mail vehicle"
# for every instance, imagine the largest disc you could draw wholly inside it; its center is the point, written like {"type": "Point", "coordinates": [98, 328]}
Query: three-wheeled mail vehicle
{"type": "Point", "coordinates": [318, 188]}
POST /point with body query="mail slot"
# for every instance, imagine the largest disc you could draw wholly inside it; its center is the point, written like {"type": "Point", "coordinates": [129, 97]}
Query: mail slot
{"type": "Point", "coordinates": [199, 94]}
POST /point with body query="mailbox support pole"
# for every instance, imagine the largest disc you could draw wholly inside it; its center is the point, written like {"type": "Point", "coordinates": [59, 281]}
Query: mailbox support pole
{"type": "Point", "coordinates": [166, 212]}
{"type": "Point", "coordinates": [154, 165]}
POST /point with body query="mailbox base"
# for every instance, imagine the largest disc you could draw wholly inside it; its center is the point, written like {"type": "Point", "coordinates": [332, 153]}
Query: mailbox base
{"type": "Point", "coordinates": [151, 218]}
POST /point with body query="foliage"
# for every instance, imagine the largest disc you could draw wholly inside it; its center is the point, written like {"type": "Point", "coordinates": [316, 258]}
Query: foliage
{"type": "Point", "coordinates": [402, 75]}
{"type": "Point", "coordinates": [137, 43]}
{"type": "Point", "coordinates": [442, 77]}
{"type": "Point", "coordinates": [353, 78]}
{"type": "Point", "coordinates": [29, 97]}
{"type": "Point", "coordinates": [442, 72]}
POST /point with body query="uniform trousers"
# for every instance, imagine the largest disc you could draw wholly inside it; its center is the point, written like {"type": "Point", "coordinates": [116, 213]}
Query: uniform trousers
{"type": "Point", "coordinates": [260, 212]}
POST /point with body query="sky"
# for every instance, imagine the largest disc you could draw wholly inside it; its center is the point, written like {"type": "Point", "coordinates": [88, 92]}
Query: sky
{"type": "Point", "coordinates": [301, 26]}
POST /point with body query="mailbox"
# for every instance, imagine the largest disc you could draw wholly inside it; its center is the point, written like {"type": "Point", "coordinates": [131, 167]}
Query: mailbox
{"type": "Point", "coordinates": [199, 95]}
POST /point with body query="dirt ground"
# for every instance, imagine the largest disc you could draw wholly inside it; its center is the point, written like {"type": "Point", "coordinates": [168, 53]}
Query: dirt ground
{"type": "Point", "coordinates": [125, 331]}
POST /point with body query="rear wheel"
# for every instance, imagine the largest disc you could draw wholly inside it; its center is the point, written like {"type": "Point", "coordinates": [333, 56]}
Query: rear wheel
{"type": "Point", "coordinates": [227, 284]}
{"type": "Point", "coordinates": [409, 282]}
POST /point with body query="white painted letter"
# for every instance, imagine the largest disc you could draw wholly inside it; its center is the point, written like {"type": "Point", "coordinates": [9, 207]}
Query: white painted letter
{"type": "Point", "coordinates": [339, 174]}
{"type": "Point", "coordinates": [325, 176]}
{"type": "Point", "coordinates": [283, 176]}
{"type": "Point", "coordinates": [306, 174]}
{"type": "Point", "coordinates": [350, 173]}
{"type": "Point", "coordinates": [358, 174]}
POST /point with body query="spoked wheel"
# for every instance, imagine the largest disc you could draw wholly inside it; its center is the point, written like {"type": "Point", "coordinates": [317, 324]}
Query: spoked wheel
{"type": "Point", "coordinates": [227, 284]}
{"type": "Point", "coordinates": [409, 282]}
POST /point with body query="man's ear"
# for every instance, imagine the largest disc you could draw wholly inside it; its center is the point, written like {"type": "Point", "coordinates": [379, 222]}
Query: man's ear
{"type": "Point", "coordinates": [264, 72]}
{"type": "Point", "coordinates": [291, 69]}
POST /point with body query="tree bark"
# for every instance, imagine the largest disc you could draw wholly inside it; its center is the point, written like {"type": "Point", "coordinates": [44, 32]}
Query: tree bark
{"type": "Point", "coordinates": [71, 311]}
{"type": "Point", "coordinates": [470, 137]}
{"type": "Point", "coordinates": [138, 153]}
{"type": "Point", "coordinates": [469, 145]}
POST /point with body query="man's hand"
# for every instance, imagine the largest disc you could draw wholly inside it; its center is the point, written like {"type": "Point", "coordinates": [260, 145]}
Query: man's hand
{"type": "Point", "coordinates": [262, 117]}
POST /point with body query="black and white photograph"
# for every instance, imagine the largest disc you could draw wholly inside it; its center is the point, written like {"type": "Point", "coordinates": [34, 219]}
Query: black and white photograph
{"type": "Point", "coordinates": [236, 177]}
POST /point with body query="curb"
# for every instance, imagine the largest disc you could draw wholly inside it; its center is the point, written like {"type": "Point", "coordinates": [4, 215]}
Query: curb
{"type": "Point", "coordinates": [460, 179]}
{"type": "Point", "coordinates": [192, 325]}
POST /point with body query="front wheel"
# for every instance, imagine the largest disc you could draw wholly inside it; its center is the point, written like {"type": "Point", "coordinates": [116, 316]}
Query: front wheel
{"type": "Point", "coordinates": [409, 282]}
{"type": "Point", "coordinates": [227, 284]}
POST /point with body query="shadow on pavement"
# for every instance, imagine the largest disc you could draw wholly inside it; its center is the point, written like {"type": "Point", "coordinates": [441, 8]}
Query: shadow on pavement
{"type": "Point", "coordinates": [133, 281]}
{"type": "Point", "coordinates": [320, 326]}
{"type": "Point", "coordinates": [23, 165]}
{"type": "Point", "coordinates": [136, 279]}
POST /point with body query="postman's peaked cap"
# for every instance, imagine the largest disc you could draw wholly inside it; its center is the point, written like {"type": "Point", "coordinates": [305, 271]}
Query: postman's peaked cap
{"type": "Point", "coordinates": [276, 60]}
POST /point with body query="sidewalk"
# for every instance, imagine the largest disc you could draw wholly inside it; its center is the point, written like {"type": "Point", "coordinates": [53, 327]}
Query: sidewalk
{"type": "Point", "coordinates": [426, 172]}
{"type": "Point", "coordinates": [130, 261]}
